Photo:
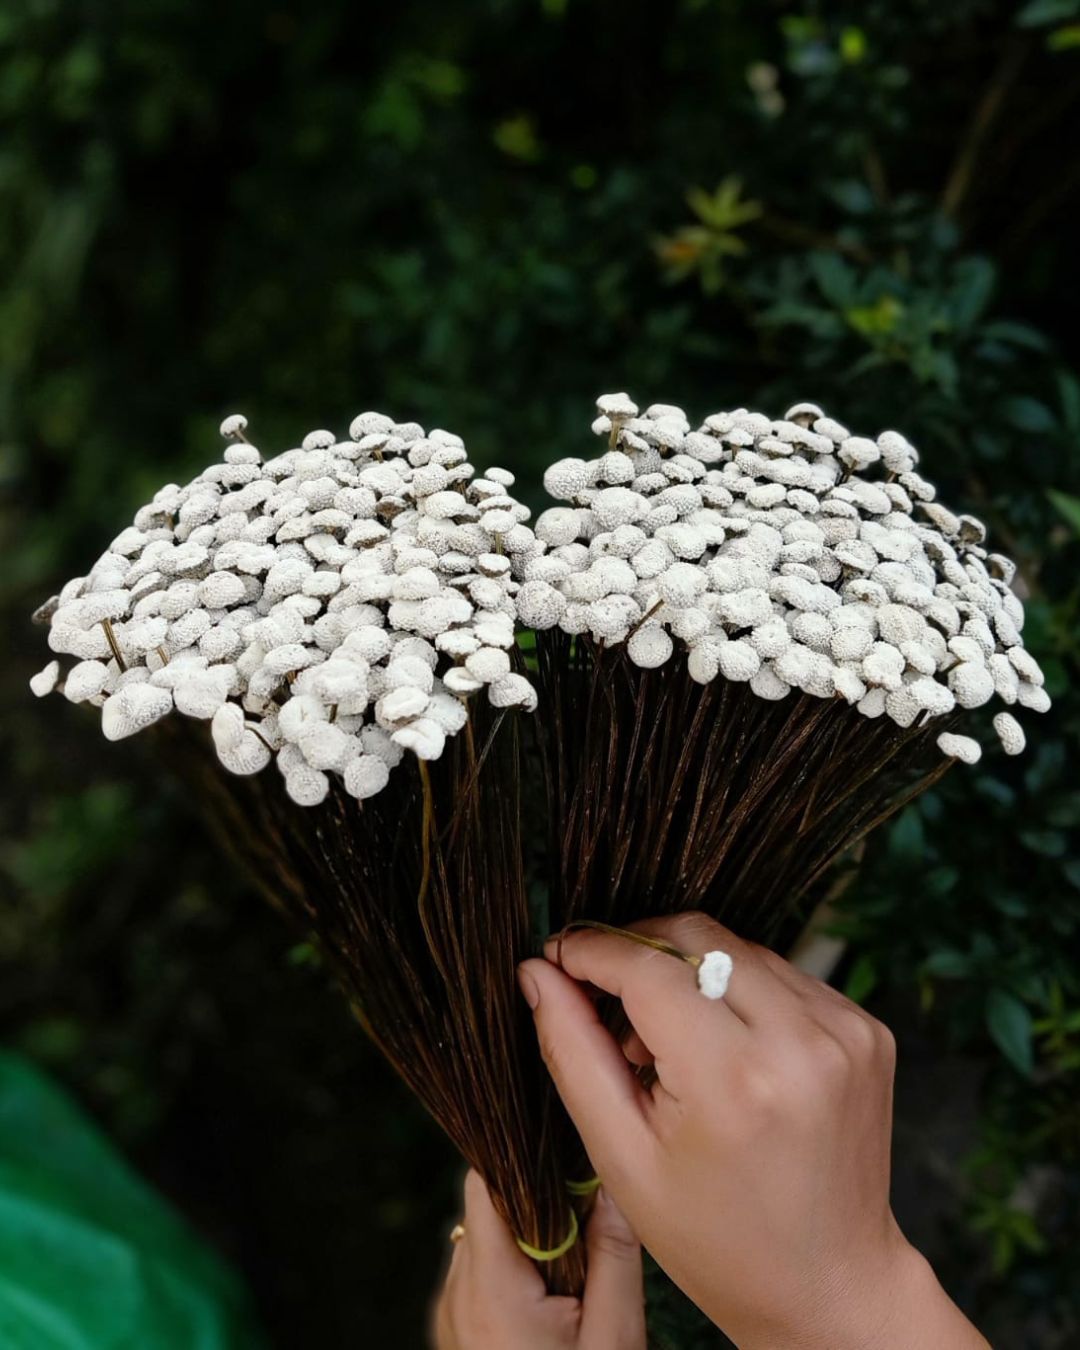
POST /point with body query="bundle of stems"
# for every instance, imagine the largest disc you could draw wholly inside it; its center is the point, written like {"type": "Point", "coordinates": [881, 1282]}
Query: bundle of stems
{"type": "Point", "coordinates": [657, 793]}
{"type": "Point", "coordinates": [662, 795]}
{"type": "Point", "coordinates": [667, 795]}
{"type": "Point", "coordinates": [418, 902]}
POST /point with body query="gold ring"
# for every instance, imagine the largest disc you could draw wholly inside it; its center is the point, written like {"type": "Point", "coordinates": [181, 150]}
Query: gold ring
{"type": "Point", "coordinates": [457, 1232]}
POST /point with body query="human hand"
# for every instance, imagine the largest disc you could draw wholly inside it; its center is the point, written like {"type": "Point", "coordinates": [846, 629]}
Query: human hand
{"type": "Point", "coordinates": [756, 1168]}
{"type": "Point", "coordinates": [494, 1297]}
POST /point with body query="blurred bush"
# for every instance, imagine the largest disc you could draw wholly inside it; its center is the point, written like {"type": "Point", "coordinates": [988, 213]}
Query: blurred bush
{"type": "Point", "coordinates": [481, 215]}
{"type": "Point", "coordinates": [91, 1257]}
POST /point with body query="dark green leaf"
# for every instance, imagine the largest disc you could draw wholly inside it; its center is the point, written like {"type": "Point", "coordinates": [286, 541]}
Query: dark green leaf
{"type": "Point", "coordinates": [852, 196]}
{"type": "Point", "coordinates": [1049, 843]}
{"type": "Point", "coordinates": [975, 279]}
{"type": "Point", "coordinates": [1028, 414]}
{"type": "Point", "coordinates": [948, 964]}
{"type": "Point", "coordinates": [1009, 1023]}
{"type": "Point", "coordinates": [906, 838]}
{"type": "Point", "coordinates": [1039, 12]}
{"type": "Point", "coordinates": [1069, 392]}
{"type": "Point", "coordinates": [1018, 334]}
{"type": "Point", "coordinates": [835, 279]}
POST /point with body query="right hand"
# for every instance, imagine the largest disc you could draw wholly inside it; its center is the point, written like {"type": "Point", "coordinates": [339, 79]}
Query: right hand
{"type": "Point", "coordinates": [756, 1169]}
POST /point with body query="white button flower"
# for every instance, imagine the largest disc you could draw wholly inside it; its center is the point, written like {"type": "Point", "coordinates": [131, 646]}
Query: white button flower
{"type": "Point", "coordinates": [303, 593]}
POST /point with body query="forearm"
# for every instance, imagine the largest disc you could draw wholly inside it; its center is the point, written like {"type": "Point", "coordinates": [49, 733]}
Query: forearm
{"type": "Point", "coordinates": [908, 1311]}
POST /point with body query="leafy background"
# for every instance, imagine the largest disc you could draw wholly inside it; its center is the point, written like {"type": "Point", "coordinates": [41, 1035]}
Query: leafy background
{"type": "Point", "coordinates": [481, 215]}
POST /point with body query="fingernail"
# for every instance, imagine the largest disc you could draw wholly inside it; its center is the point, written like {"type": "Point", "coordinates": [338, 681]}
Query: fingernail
{"type": "Point", "coordinates": [529, 989]}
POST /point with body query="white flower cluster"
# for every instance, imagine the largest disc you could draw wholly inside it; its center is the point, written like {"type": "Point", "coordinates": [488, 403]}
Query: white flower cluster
{"type": "Point", "coordinates": [331, 608]}
{"type": "Point", "coordinates": [787, 553]}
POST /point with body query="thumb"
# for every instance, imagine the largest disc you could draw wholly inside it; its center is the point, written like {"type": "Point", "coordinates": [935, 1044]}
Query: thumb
{"type": "Point", "coordinates": [613, 1313]}
{"type": "Point", "coordinates": [598, 1087]}
{"type": "Point", "coordinates": [494, 1258]}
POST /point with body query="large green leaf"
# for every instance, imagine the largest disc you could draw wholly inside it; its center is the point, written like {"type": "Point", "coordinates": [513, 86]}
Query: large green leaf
{"type": "Point", "coordinates": [90, 1257]}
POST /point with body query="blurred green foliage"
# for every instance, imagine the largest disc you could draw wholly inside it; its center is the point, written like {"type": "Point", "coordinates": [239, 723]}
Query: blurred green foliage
{"type": "Point", "coordinates": [91, 1256]}
{"type": "Point", "coordinates": [481, 215]}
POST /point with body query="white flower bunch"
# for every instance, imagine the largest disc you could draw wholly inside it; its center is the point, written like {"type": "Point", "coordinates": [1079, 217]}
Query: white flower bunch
{"type": "Point", "coordinates": [787, 553]}
{"type": "Point", "coordinates": [329, 608]}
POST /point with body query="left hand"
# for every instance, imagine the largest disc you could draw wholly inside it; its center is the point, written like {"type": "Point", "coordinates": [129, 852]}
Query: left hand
{"type": "Point", "coordinates": [494, 1296]}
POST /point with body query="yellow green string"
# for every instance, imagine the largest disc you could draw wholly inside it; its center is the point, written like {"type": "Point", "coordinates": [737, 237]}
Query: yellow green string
{"type": "Point", "coordinates": [583, 1187]}
{"type": "Point", "coordinates": [538, 1254]}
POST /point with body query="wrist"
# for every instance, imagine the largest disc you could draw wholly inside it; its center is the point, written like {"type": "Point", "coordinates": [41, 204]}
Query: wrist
{"type": "Point", "coordinates": [909, 1310]}
{"type": "Point", "coordinates": [900, 1307]}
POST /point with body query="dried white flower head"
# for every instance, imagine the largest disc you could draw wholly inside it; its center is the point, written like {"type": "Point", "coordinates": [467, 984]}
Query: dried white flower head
{"type": "Point", "coordinates": [963, 748]}
{"type": "Point", "coordinates": [1010, 733]}
{"type": "Point", "coordinates": [133, 708]}
{"type": "Point", "coordinates": [46, 680]}
{"type": "Point", "coordinates": [616, 407]}
{"type": "Point", "coordinates": [787, 553]}
{"type": "Point", "coordinates": [330, 607]}
{"type": "Point", "coordinates": [234, 426]}
{"type": "Point", "coordinates": [714, 974]}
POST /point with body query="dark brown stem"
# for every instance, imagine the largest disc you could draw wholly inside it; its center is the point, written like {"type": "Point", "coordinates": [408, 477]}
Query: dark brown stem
{"type": "Point", "coordinates": [986, 113]}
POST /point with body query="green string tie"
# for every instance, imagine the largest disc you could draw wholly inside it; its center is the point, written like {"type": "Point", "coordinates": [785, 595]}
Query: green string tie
{"type": "Point", "coordinates": [538, 1254]}
{"type": "Point", "coordinates": [583, 1187]}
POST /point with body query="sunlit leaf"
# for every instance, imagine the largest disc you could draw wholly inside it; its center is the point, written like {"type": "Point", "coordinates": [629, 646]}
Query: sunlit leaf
{"type": "Point", "coordinates": [862, 979]}
{"type": "Point", "coordinates": [1067, 505]}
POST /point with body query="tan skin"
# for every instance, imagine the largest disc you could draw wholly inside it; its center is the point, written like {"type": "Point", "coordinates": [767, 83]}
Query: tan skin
{"type": "Point", "coordinates": [494, 1297]}
{"type": "Point", "coordinates": [755, 1169]}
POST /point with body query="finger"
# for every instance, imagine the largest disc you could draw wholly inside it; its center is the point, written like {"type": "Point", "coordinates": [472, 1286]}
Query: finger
{"type": "Point", "coordinates": [490, 1252]}
{"type": "Point", "coordinates": [755, 991]}
{"type": "Point", "coordinates": [596, 1083]}
{"type": "Point", "coordinates": [636, 1051]}
{"type": "Point", "coordinates": [762, 988]}
{"type": "Point", "coordinates": [613, 1313]}
{"type": "Point", "coordinates": [659, 993]}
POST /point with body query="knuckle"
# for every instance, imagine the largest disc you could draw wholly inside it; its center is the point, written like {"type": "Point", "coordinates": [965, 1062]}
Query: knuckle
{"type": "Point", "coordinates": [831, 1056]}
{"type": "Point", "coordinates": [886, 1044]}
{"type": "Point", "coordinates": [860, 1033]}
{"type": "Point", "coordinates": [769, 958]}
{"type": "Point", "coordinates": [866, 1033]}
{"type": "Point", "coordinates": [693, 927]}
{"type": "Point", "coordinates": [869, 1041]}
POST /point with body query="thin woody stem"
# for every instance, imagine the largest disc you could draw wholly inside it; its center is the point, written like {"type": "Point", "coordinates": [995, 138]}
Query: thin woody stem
{"type": "Point", "coordinates": [644, 619]}
{"type": "Point", "coordinates": [118, 655]}
{"type": "Point", "coordinates": [642, 939]}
